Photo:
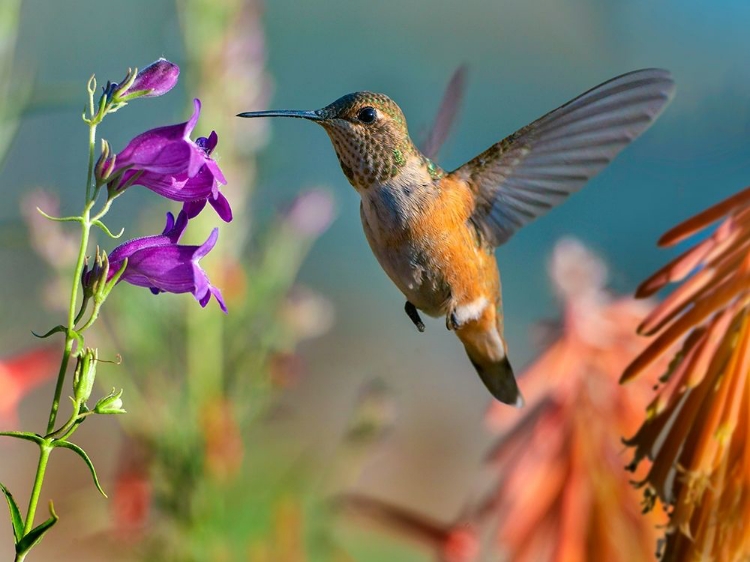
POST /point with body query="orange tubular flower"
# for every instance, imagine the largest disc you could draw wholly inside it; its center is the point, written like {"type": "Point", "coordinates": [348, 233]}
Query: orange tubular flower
{"type": "Point", "coordinates": [697, 428]}
{"type": "Point", "coordinates": [563, 494]}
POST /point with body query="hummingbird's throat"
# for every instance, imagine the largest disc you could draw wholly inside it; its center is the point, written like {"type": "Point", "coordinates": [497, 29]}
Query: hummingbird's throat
{"type": "Point", "coordinates": [370, 159]}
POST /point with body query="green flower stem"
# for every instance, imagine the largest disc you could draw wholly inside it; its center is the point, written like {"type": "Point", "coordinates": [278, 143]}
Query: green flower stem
{"type": "Point", "coordinates": [44, 452]}
{"type": "Point", "coordinates": [70, 333]}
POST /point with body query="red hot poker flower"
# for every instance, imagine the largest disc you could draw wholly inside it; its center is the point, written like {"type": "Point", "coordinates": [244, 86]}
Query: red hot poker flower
{"type": "Point", "coordinates": [697, 428]}
{"type": "Point", "coordinates": [562, 493]}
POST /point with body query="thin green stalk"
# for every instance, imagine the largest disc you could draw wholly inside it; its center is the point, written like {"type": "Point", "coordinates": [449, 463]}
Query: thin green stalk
{"type": "Point", "coordinates": [70, 337]}
{"type": "Point", "coordinates": [85, 231]}
{"type": "Point", "coordinates": [60, 380]}
{"type": "Point", "coordinates": [44, 452]}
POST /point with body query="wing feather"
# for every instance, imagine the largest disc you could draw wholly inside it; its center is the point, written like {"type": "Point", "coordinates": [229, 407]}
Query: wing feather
{"type": "Point", "coordinates": [539, 166]}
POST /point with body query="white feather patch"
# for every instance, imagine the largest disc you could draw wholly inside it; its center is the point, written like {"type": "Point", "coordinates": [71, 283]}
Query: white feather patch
{"type": "Point", "coordinates": [471, 311]}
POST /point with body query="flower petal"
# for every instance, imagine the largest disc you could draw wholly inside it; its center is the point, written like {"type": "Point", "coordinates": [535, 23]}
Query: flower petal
{"type": "Point", "coordinates": [221, 206]}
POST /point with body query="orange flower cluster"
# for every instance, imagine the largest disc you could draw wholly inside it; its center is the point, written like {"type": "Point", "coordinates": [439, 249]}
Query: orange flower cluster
{"type": "Point", "coordinates": [697, 427]}
{"type": "Point", "coordinates": [563, 494]}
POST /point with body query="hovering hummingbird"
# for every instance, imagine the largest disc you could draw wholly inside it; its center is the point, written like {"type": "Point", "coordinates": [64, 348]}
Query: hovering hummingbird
{"type": "Point", "coordinates": [434, 232]}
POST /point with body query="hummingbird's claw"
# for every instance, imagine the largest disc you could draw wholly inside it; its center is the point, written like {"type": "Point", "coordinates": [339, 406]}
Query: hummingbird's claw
{"type": "Point", "coordinates": [411, 312]}
{"type": "Point", "coordinates": [451, 321]}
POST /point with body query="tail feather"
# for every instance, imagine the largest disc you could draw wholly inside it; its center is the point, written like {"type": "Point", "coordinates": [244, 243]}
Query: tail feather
{"type": "Point", "coordinates": [487, 352]}
{"type": "Point", "coordinates": [499, 379]}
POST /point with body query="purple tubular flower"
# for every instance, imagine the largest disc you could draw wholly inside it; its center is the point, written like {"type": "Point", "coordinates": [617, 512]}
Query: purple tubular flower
{"type": "Point", "coordinates": [162, 265]}
{"type": "Point", "coordinates": [166, 161]}
{"type": "Point", "coordinates": [156, 79]}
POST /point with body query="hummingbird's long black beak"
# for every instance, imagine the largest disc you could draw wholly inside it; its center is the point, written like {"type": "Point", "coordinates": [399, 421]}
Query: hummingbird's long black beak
{"type": "Point", "coordinates": [316, 115]}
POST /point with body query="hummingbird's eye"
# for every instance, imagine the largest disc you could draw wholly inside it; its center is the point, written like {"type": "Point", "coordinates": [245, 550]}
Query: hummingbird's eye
{"type": "Point", "coordinates": [367, 115]}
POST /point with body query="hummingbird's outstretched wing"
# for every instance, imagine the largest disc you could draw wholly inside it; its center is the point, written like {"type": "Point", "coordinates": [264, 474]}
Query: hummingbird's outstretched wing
{"type": "Point", "coordinates": [446, 114]}
{"type": "Point", "coordinates": [537, 167]}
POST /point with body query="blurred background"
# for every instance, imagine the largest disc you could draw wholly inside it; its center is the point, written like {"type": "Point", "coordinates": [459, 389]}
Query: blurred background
{"type": "Point", "coordinates": [249, 436]}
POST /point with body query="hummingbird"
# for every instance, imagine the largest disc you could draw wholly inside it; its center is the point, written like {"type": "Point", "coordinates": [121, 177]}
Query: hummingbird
{"type": "Point", "coordinates": [435, 232]}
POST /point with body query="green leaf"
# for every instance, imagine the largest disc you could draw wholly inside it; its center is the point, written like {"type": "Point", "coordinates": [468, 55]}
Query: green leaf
{"type": "Point", "coordinates": [15, 514]}
{"type": "Point", "coordinates": [56, 329]}
{"type": "Point", "coordinates": [26, 435]}
{"type": "Point", "coordinates": [86, 459]}
{"type": "Point", "coordinates": [37, 533]}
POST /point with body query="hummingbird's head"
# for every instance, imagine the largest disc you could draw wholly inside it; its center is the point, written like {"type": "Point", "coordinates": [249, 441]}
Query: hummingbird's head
{"type": "Point", "coordinates": [368, 132]}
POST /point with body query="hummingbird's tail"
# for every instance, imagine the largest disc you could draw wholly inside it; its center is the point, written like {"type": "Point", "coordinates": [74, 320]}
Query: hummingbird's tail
{"type": "Point", "coordinates": [486, 350]}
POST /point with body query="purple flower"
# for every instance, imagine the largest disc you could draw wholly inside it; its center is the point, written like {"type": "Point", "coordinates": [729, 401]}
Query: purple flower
{"type": "Point", "coordinates": [162, 265]}
{"type": "Point", "coordinates": [169, 163]}
{"type": "Point", "coordinates": [156, 79]}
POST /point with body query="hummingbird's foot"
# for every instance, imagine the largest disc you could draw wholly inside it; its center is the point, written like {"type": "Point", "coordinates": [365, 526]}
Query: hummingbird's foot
{"type": "Point", "coordinates": [411, 312]}
{"type": "Point", "coordinates": [451, 321]}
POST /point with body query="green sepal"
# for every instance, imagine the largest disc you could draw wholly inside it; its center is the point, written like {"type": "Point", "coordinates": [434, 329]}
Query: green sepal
{"type": "Point", "coordinates": [86, 459]}
{"type": "Point", "coordinates": [106, 230]}
{"type": "Point", "coordinates": [37, 533]}
{"type": "Point", "coordinates": [115, 278]}
{"type": "Point", "coordinates": [135, 94]}
{"type": "Point", "coordinates": [25, 435]}
{"type": "Point", "coordinates": [134, 178]}
{"type": "Point", "coordinates": [55, 330]}
{"type": "Point", "coordinates": [15, 515]}
{"type": "Point", "coordinates": [101, 111]}
{"type": "Point", "coordinates": [110, 404]}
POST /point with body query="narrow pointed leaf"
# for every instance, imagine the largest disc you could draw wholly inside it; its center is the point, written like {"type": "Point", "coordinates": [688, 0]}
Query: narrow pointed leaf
{"type": "Point", "coordinates": [86, 459]}
{"type": "Point", "coordinates": [26, 435]}
{"type": "Point", "coordinates": [37, 533]}
{"type": "Point", "coordinates": [15, 514]}
{"type": "Point", "coordinates": [56, 329]}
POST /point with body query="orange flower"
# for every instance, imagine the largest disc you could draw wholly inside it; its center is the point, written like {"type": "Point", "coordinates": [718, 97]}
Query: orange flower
{"type": "Point", "coordinates": [697, 427]}
{"type": "Point", "coordinates": [563, 494]}
{"type": "Point", "coordinates": [19, 375]}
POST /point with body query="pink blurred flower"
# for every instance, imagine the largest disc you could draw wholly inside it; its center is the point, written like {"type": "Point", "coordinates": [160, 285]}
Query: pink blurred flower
{"type": "Point", "coordinates": [311, 213]}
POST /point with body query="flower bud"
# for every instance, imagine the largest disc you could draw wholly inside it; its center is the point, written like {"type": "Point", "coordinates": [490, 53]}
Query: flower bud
{"type": "Point", "coordinates": [105, 164]}
{"type": "Point", "coordinates": [155, 80]}
{"type": "Point", "coordinates": [109, 90]}
{"type": "Point", "coordinates": [85, 373]}
{"type": "Point", "coordinates": [110, 404]}
{"type": "Point", "coordinates": [95, 280]}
